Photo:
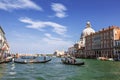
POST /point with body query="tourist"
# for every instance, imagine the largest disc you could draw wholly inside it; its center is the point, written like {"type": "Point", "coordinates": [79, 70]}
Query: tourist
{"type": "Point", "coordinates": [44, 57]}
{"type": "Point", "coordinates": [66, 59]}
{"type": "Point", "coordinates": [73, 60]}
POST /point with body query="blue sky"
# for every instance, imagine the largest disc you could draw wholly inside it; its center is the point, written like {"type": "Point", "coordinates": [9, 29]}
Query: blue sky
{"type": "Point", "coordinates": [43, 26]}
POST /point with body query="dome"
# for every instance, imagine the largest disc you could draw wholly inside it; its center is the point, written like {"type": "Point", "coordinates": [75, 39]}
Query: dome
{"type": "Point", "coordinates": [88, 30]}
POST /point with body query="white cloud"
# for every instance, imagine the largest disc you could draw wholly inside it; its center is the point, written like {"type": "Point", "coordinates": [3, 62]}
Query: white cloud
{"type": "Point", "coordinates": [59, 9]}
{"type": "Point", "coordinates": [18, 4]}
{"type": "Point", "coordinates": [40, 25]}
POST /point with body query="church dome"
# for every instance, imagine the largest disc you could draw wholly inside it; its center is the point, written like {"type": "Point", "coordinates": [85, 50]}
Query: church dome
{"type": "Point", "coordinates": [88, 30]}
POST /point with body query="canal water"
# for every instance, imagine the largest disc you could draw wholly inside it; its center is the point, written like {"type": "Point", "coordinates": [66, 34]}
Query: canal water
{"type": "Point", "coordinates": [55, 70]}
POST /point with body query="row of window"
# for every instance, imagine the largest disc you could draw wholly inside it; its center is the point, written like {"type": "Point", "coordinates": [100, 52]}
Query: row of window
{"type": "Point", "coordinates": [117, 43]}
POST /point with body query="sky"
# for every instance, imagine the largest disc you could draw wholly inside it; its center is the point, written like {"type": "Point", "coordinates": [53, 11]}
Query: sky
{"type": "Point", "coordinates": [43, 26]}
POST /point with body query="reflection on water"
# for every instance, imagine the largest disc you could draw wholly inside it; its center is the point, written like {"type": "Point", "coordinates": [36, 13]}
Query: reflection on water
{"type": "Point", "coordinates": [55, 70]}
{"type": "Point", "coordinates": [12, 71]}
{"type": "Point", "coordinates": [12, 66]}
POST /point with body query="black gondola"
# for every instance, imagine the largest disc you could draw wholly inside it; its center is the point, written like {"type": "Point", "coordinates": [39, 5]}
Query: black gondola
{"type": "Point", "coordinates": [76, 63]}
{"type": "Point", "coordinates": [44, 61]}
{"type": "Point", "coordinates": [31, 61]}
{"type": "Point", "coordinates": [21, 62]}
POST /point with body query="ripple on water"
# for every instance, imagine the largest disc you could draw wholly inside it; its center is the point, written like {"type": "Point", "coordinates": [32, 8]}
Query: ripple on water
{"type": "Point", "coordinates": [12, 73]}
{"type": "Point", "coordinates": [14, 78]}
{"type": "Point", "coordinates": [55, 70]}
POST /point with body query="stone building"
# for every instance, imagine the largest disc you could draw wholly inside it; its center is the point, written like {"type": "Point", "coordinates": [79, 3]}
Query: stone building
{"type": "Point", "coordinates": [117, 49]}
{"type": "Point", "coordinates": [4, 46]}
{"type": "Point", "coordinates": [71, 51]}
{"type": "Point", "coordinates": [104, 43]}
{"type": "Point", "coordinates": [80, 45]}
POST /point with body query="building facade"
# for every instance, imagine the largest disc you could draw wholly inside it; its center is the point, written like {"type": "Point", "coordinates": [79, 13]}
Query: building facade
{"type": "Point", "coordinates": [103, 43]}
{"type": "Point", "coordinates": [80, 45]}
{"type": "Point", "coordinates": [4, 46]}
{"type": "Point", "coordinates": [117, 49]}
{"type": "Point", "coordinates": [71, 51]}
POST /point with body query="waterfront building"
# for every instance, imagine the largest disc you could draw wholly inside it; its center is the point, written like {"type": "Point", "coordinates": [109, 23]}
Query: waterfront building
{"type": "Point", "coordinates": [104, 43]}
{"type": "Point", "coordinates": [4, 46]}
{"type": "Point", "coordinates": [71, 51]}
{"type": "Point", "coordinates": [80, 45]}
{"type": "Point", "coordinates": [117, 49]}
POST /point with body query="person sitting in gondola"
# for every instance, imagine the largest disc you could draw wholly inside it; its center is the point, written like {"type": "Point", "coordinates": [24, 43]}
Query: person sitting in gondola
{"type": "Point", "coordinates": [73, 60]}
{"type": "Point", "coordinates": [67, 60]}
{"type": "Point", "coordinates": [44, 57]}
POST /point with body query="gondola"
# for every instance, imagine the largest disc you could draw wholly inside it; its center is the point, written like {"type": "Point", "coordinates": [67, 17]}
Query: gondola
{"type": "Point", "coordinates": [44, 61]}
{"type": "Point", "coordinates": [31, 61]}
{"type": "Point", "coordinates": [5, 61]}
{"type": "Point", "coordinates": [21, 62]}
{"type": "Point", "coordinates": [76, 63]}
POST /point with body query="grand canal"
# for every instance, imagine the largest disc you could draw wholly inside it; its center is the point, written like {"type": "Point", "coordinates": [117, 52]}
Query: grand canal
{"type": "Point", "coordinates": [55, 70]}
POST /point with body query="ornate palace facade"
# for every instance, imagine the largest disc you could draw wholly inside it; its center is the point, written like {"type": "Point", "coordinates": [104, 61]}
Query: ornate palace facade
{"type": "Point", "coordinates": [103, 43]}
